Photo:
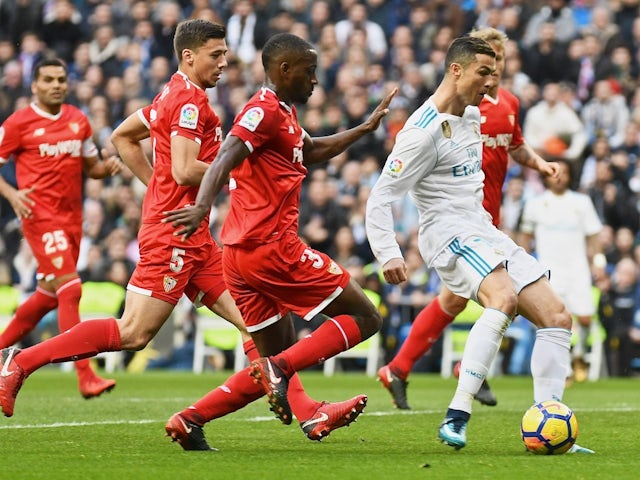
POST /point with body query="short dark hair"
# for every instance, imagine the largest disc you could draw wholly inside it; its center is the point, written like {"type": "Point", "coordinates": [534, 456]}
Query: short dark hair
{"type": "Point", "coordinates": [463, 50]}
{"type": "Point", "coordinates": [283, 43]}
{"type": "Point", "coordinates": [48, 62]}
{"type": "Point", "coordinates": [192, 34]}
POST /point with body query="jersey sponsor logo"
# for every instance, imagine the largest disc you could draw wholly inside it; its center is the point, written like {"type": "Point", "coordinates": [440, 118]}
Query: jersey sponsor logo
{"type": "Point", "coordinates": [75, 127]}
{"type": "Point", "coordinates": [298, 156]}
{"type": "Point", "coordinates": [252, 118]}
{"type": "Point", "coordinates": [189, 116]}
{"type": "Point", "coordinates": [472, 166]}
{"type": "Point", "coordinates": [500, 140]}
{"type": "Point", "coordinates": [168, 283]}
{"type": "Point", "coordinates": [38, 132]}
{"type": "Point", "coordinates": [446, 129]}
{"type": "Point", "coordinates": [394, 167]}
{"type": "Point", "coordinates": [63, 147]}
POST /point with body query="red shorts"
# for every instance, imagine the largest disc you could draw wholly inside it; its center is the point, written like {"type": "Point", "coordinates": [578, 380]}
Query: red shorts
{"type": "Point", "coordinates": [56, 247]}
{"type": "Point", "coordinates": [271, 280]}
{"type": "Point", "coordinates": [169, 267]}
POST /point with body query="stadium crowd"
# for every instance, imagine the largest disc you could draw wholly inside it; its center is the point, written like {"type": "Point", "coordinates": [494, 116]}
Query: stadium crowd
{"type": "Point", "coordinates": [572, 63]}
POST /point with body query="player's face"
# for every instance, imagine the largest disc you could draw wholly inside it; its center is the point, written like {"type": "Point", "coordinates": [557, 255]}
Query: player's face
{"type": "Point", "coordinates": [50, 88]}
{"type": "Point", "coordinates": [476, 79]}
{"type": "Point", "coordinates": [208, 62]}
{"type": "Point", "coordinates": [302, 78]}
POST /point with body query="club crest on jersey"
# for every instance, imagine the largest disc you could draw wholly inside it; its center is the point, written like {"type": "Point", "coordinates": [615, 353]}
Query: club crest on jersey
{"type": "Point", "coordinates": [394, 167]}
{"type": "Point", "coordinates": [446, 129]}
{"type": "Point", "coordinates": [38, 132]}
{"type": "Point", "coordinates": [168, 283]}
{"type": "Point", "coordinates": [512, 119]}
{"type": "Point", "coordinates": [252, 118]}
{"type": "Point", "coordinates": [57, 262]}
{"type": "Point", "coordinates": [189, 116]}
{"type": "Point", "coordinates": [334, 268]}
{"type": "Point", "coordinates": [75, 128]}
{"type": "Point", "coordinates": [476, 130]}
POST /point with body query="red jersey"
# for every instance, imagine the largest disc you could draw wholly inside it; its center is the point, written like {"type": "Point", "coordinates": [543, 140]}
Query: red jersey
{"type": "Point", "coordinates": [500, 128]}
{"type": "Point", "coordinates": [182, 108]}
{"type": "Point", "coordinates": [48, 151]}
{"type": "Point", "coordinates": [265, 187]}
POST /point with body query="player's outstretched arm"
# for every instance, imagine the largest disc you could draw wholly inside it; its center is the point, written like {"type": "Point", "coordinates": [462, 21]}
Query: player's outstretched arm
{"type": "Point", "coordinates": [526, 156]}
{"type": "Point", "coordinates": [322, 149]}
{"type": "Point", "coordinates": [187, 220]}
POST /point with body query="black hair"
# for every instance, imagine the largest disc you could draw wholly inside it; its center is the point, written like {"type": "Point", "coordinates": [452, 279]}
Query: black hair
{"type": "Point", "coordinates": [48, 62]}
{"type": "Point", "coordinates": [463, 50]}
{"type": "Point", "coordinates": [192, 34]}
{"type": "Point", "coordinates": [283, 43]}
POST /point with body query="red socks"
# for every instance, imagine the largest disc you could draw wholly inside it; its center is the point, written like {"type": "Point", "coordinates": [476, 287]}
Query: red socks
{"type": "Point", "coordinates": [426, 329]}
{"type": "Point", "coordinates": [85, 340]}
{"type": "Point", "coordinates": [27, 316]}
{"type": "Point", "coordinates": [335, 335]}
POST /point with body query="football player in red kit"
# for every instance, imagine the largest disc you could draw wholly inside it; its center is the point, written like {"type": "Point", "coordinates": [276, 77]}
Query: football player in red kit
{"type": "Point", "coordinates": [51, 143]}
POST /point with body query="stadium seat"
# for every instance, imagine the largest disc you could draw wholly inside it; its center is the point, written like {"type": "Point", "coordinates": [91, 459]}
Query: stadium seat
{"type": "Point", "coordinates": [213, 335]}
{"type": "Point", "coordinates": [369, 350]}
{"type": "Point", "coordinates": [102, 300]}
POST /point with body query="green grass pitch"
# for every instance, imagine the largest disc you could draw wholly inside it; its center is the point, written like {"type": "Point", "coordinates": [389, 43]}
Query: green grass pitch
{"type": "Point", "coordinates": [55, 434]}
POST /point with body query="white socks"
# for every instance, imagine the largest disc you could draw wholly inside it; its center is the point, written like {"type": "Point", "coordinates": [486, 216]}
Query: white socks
{"type": "Point", "coordinates": [480, 350]}
{"type": "Point", "coordinates": [550, 363]}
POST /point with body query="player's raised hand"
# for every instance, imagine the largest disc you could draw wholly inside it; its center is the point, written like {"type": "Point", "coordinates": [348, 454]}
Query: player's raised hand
{"type": "Point", "coordinates": [395, 271]}
{"type": "Point", "coordinates": [185, 220]}
{"type": "Point", "coordinates": [373, 122]}
{"type": "Point", "coordinates": [21, 202]}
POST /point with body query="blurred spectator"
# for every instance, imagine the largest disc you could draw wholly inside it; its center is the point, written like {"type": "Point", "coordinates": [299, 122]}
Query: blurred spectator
{"type": "Point", "coordinates": [18, 17]}
{"type": "Point", "coordinates": [600, 151]}
{"type": "Point", "coordinates": [553, 128]}
{"type": "Point", "coordinates": [61, 30]}
{"type": "Point", "coordinates": [512, 205]}
{"type": "Point", "coordinates": [320, 216]}
{"type": "Point", "coordinates": [617, 309]}
{"type": "Point", "coordinates": [557, 12]}
{"type": "Point", "coordinates": [606, 114]}
{"type": "Point", "coordinates": [104, 49]}
{"type": "Point", "coordinates": [614, 203]}
{"type": "Point", "coordinates": [376, 41]}
{"type": "Point", "coordinates": [245, 34]}
{"type": "Point", "coordinates": [166, 16]}
{"type": "Point", "coordinates": [546, 60]}
{"type": "Point", "coordinates": [600, 25]}
{"type": "Point", "coordinates": [31, 52]}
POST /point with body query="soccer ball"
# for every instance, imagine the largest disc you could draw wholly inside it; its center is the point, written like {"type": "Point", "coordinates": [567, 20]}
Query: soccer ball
{"type": "Point", "coordinates": [549, 428]}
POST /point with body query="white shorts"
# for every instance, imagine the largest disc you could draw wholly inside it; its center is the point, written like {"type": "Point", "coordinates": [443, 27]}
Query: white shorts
{"type": "Point", "coordinates": [465, 262]}
{"type": "Point", "coordinates": [575, 290]}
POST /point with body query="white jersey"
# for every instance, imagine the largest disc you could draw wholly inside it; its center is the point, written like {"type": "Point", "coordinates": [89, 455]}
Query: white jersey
{"type": "Point", "coordinates": [437, 159]}
{"type": "Point", "coordinates": [560, 225]}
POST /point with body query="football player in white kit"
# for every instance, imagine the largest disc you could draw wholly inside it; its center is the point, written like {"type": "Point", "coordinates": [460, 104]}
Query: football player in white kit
{"type": "Point", "coordinates": [437, 160]}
